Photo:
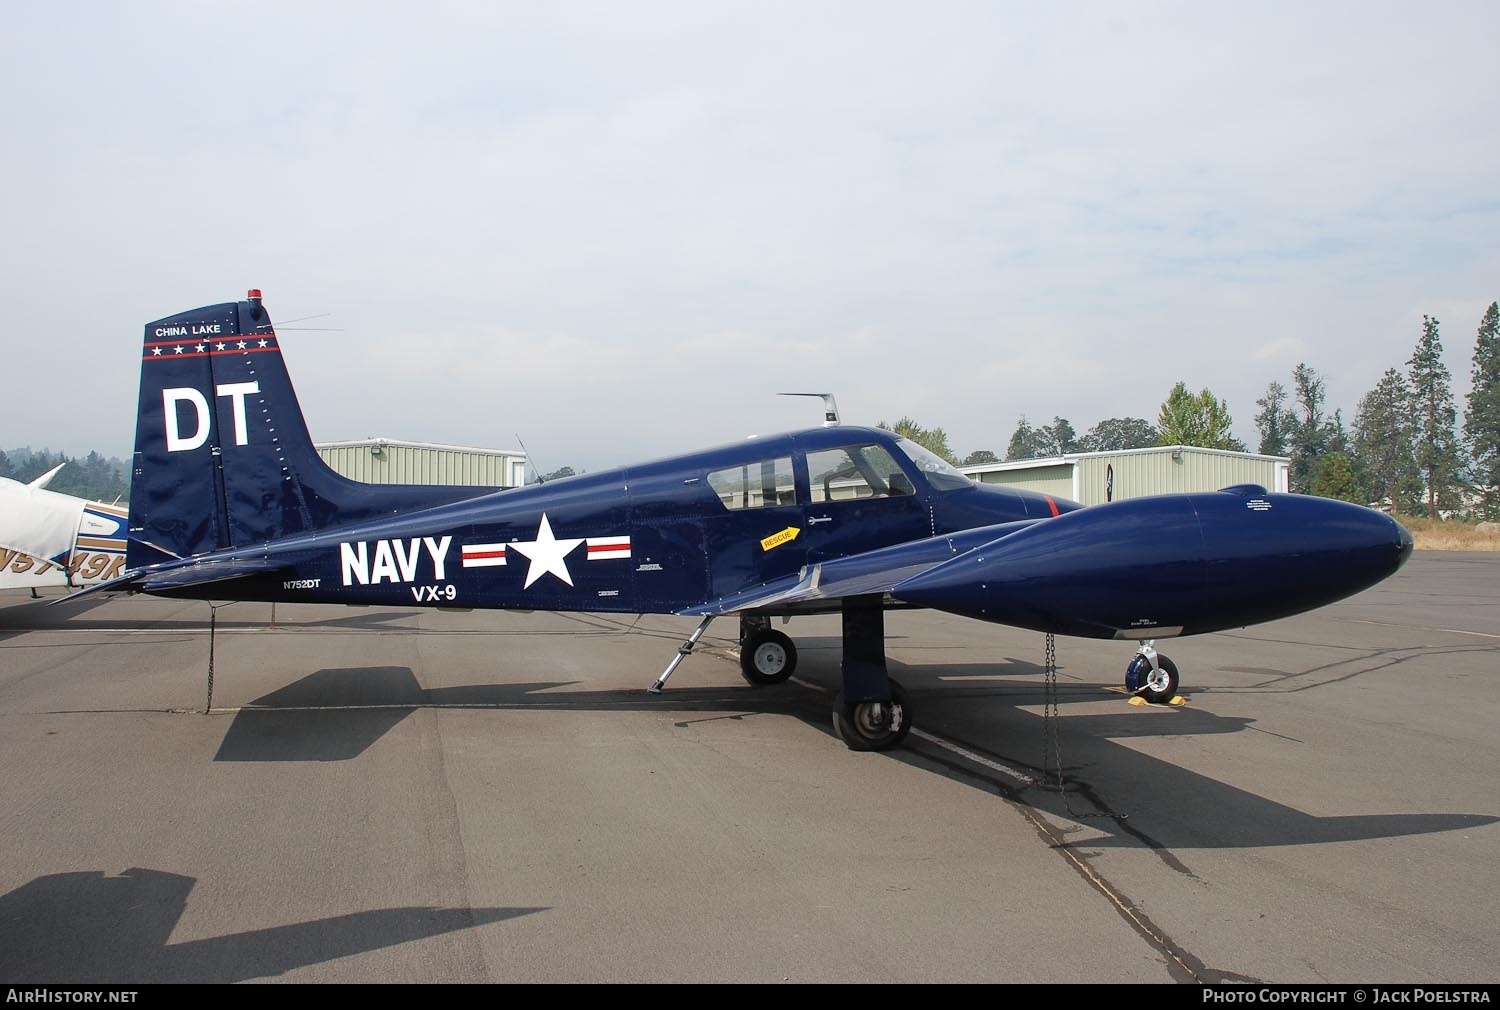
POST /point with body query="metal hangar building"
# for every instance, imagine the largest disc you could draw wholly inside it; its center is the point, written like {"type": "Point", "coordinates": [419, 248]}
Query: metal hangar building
{"type": "Point", "coordinates": [1092, 478]}
{"type": "Point", "coordinates": [393, 461]}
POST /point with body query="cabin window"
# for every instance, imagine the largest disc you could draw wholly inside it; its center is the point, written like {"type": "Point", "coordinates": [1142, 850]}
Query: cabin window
{"type": "Point", "coordinates": [756, 485]}
{"type": "Point", "coordinates": [865, 471]}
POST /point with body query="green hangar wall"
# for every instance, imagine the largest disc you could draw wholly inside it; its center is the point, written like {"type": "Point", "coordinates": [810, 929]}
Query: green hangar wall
{"type": "Point", "coordinates": [391, 461]}
{"type": "Point", "coordinates": [1092, 478]}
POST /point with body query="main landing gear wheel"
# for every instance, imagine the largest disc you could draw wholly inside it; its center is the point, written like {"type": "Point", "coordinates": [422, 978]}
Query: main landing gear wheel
{"type": "Point", "coordinates": [1158, 686]}
{"type": "Point", "coordinates": [767, 657]}
{"type": "Point", "coordinates": [873, 725]}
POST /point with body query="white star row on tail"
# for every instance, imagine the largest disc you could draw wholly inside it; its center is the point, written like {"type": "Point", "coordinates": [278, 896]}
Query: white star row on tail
{"type": "Point", "coordinates": [221, 346]}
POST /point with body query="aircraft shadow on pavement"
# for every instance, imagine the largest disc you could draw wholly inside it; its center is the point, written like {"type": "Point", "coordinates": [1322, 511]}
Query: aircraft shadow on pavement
{"type": "Point", "coordinates": [40, 615]}
{"type": "Point", "coordinates": [367, 619]}
{"type": "Point", "coordinates": [1165, 806]}
{"type": "Point", "coordinates": [89, 927]}
{"type": "Point", "coordinates": [336, 714]}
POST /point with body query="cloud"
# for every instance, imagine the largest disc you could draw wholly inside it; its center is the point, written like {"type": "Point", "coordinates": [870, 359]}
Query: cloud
{"type": "Point", "coordinates": [628, 228]}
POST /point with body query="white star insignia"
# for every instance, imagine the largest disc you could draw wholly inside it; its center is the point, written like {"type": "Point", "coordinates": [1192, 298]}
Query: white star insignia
{"type": "Point", "coordinates": [156, 350]}
{"type": "Point", "coordinates": [219, 346]}
{"type": "Point", "coordinates": [264, 342]}
{"type": "Point", "coordinates": [178, 349]}
{"type": "Point", "coordinates": [243, 345]}
{"type": "Point", "coordinates": [202, 348]}
{"type": "Point", "coordinates": [547, 554]}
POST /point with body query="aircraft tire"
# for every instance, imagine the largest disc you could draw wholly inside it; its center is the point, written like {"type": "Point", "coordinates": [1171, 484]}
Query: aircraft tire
{"type": "Point", "coordinates": [767, 657]}
{"type": "Point", "coordinates": [873, 725]}
{"type": "Point", "coordinates": [1165, 689]}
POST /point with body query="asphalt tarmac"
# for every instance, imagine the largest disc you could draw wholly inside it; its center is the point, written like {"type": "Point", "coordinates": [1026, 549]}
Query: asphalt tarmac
{"type": "Point", "coordinates": [416, 796]}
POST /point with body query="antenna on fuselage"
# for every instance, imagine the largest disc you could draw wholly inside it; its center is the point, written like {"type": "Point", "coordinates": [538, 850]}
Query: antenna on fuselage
{"type": "Point", "coordinates": [525, 452]}
{"type": "Point", "coordinates": [830, 408]}
{"type": "Point", "coordinates": [284, 324]}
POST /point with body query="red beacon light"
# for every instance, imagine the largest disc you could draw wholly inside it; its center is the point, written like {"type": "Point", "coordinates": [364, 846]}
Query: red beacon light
{"type": "Point", "coordinates": [254, 296]}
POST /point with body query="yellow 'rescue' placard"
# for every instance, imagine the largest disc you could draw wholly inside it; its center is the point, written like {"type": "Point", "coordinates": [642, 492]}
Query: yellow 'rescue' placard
{"type": "Point", "coordinates": [777, 539]}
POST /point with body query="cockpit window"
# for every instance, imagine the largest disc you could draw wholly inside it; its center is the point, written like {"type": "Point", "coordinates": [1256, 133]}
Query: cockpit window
{"type": "Point", "coordinates": [941, 474]}
{"type": "Point", "coordinates": [756, 485]}
{"type": "Point", "coordinates": [865, 471]}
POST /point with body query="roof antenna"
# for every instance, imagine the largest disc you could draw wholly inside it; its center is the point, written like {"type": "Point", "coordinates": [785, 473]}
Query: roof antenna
{"type": "Point", "coordinates": [530, 462]}
{"type": "Point", "coordinates": [830, 408]}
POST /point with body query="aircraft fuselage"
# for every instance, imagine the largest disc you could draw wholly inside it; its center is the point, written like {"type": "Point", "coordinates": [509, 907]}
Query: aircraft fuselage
{"type": "Point", "coordinates": [655, 538]}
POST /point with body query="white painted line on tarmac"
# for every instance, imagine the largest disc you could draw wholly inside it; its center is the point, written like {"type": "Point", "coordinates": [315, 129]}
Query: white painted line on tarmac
{"type": "Point", "coordinates": [1420, 627]}
{"type": "Point", "coordinates": [969, 755]}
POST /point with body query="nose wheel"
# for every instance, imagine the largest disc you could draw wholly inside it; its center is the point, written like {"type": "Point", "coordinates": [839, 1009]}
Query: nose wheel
{"type": "Point", "coordinates": [1152, 676]}
{"type": "Point", "coordinates": [767, 657]}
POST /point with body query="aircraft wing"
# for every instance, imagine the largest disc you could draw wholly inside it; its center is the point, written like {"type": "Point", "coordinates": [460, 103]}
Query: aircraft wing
{"type": "Point", "coordinates": [36, 521]}
{"type": "Point", "coordinates": [822, 584]}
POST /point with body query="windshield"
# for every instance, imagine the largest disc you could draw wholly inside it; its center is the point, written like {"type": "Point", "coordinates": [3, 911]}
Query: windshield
{"type": "Point", "coordinates": [941, 474]}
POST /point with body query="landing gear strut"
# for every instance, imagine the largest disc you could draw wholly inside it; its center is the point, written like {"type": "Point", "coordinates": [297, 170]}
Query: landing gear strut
{"type": "Point", "coordinates": [872, 711]}
{"type": "Point", "coordinates": [1152, 675]}
{"type": "Point", "coordinates": [683, 652]}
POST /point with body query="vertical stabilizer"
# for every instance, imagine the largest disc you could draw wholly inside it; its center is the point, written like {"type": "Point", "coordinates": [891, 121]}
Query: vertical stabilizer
{"type": "Point", "coordinates": [223, 457]}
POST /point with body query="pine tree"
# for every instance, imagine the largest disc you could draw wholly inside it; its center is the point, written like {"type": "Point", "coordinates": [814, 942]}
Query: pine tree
{"type": "Point", "coordinates": [1061, 437]}
{"type": "Point", "coordinates": [1383, 437]}
{"type": "Point", "coordinates": [1307, 434]}
{"type": "Point", "coordinates": [1274, 421]}
{"type": "Point", "coordinates": [1482, 419]}
{"type": "Point", "coordinates": [1200, 419]}
{"type": "Point", "coordinates": [1336, 435]}
{"type": "Point", "coordinates": [1049, 440]}
{"type": "Point", "coordinates": [1432, 402]}
{"type": "Point", "coordinates": [1021, 440]}
{"type": "Point", "coordinates": [1335, 478]}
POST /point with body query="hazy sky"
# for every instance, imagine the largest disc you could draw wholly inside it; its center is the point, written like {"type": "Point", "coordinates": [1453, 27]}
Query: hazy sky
{"type": "Point", "coordinates": [619, 229]}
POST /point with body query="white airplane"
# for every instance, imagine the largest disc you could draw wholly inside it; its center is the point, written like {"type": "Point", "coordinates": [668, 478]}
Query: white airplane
{"type": "Point", "coordinates": [49, 539]}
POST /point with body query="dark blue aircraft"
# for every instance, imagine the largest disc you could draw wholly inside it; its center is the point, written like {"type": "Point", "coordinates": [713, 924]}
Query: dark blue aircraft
{"type": "Point", "coordinates": [230, 501]}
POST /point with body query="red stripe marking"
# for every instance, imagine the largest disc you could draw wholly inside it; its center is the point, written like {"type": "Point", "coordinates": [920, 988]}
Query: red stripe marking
{"type": "Point", "coordinates": [471, 555]}
{"type": "Point", "coordinates": [1052, 505]}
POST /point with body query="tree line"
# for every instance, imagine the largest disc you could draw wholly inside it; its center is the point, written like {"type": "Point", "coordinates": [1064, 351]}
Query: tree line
{"type": "Point", "coordinates": [94, 477]}
{"type": "Point", "coordinates": [1404, 449]}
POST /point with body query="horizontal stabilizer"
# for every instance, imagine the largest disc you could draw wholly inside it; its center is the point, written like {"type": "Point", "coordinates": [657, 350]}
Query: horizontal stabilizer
{"type": "Point", "coordinates": [179, 575]}
{"type": "Point", "coordinates": [46, 478]}
{"type": "Point", "coordinates": [198, 573]}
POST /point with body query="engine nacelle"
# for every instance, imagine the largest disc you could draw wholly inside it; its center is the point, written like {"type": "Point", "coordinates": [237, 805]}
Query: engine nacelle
{"type": "Point", "coordinates": [1169, 565]}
